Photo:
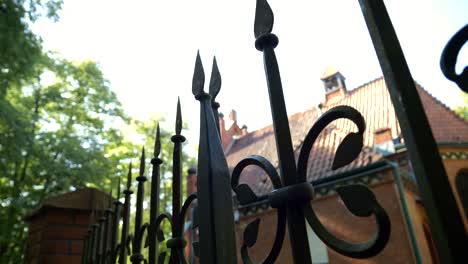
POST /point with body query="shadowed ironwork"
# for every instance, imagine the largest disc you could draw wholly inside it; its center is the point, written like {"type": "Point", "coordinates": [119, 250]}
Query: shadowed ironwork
{"type": "Point", "coordinates": [449, 59]}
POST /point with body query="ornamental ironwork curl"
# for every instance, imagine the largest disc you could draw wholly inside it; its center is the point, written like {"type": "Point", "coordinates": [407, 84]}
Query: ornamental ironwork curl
{"type": "Point", "coordinates": [292, 195]}
{"type": "Point", "coordinates": [449, 57]}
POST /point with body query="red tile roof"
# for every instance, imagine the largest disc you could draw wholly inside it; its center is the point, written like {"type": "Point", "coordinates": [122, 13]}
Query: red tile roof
{"type": "Point", "coordinates": [373, 101]}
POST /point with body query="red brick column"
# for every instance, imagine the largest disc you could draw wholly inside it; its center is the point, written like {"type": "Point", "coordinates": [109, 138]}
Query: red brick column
{"type": "Point", "coordinates": [57, 229]}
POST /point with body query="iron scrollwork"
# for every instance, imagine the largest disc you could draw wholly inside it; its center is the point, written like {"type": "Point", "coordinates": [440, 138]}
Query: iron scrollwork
{"type": "Point", "coordinates": [357, 198]}
{"type": "Point", "coordinates": [449, 56]}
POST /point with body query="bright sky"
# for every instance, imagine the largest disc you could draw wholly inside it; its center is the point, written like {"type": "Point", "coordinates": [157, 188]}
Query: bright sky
{"type": "Point", "coordinates": [147, 50]}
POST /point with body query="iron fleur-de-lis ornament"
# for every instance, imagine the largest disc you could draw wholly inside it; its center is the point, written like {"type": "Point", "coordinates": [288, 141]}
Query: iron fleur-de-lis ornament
{"type": "Point", "coordinates": [292, 193]}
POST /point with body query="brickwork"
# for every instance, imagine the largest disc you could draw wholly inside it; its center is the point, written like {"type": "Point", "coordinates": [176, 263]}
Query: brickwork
{"type": "Point", "coordinates": [56, 236]}
{"type": "Point", "coordinates": [338, 220]}
{"type": "Point", "coordinates": [57, 228]}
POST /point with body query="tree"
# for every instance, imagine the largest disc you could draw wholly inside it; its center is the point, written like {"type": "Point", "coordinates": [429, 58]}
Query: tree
{"type": "Point", "coordinates": [20, 48]}
{"type": "Point", "coordinates": [55, 136]}
{"type": "Point", "coordinates": [462, 110]}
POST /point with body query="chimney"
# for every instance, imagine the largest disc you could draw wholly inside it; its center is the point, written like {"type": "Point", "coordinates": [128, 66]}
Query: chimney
{"type": "Point", "coordinates": [334, 84]}
{"type": "Point", "coordinates": [191, 180]}
{"type": "Point", "coordinates": [229, 129]}
{"type": "Point", "coordinates": [383, 141]}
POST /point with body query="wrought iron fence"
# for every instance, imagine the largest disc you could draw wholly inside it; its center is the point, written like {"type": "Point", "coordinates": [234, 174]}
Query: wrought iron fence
{"type": "Point", "coordinates": [292, 193]}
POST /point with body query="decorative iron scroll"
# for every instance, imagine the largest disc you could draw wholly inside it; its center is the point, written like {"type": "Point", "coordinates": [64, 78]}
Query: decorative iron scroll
{"type": "Point", "coordinates": [449, 56]}
{"type": "Point", "coordinates": [292, 189]}
{"type": "Point", "coordinates": [213, 214]}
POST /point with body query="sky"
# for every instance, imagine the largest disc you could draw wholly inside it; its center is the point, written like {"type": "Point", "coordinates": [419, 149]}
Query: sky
{"type": "Point", "coordinates": [147, 50]}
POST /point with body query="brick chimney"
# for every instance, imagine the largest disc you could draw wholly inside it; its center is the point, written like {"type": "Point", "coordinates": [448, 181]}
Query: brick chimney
{"type": "Point", "coordinates": [191, 180]}
{"type": "Point", "coordinates": [229, 129]}
{"type": "Point", "coordinates": [383, 141]}
{"type": "Point", "coordinates": [58, 227]}
{"type": "Point", "coordinates": [334, 84]}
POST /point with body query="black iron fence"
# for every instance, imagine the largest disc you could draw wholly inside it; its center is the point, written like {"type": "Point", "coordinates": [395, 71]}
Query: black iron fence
{"type": "Point", "coordinates": [292, 194]}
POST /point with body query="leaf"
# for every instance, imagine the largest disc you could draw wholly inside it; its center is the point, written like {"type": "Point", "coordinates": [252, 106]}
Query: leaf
{"type": "Point", "coordinates": [245, 195]}
{"type": "Point", "coordinates": [348, 150]}
{"type": "Point", "coordinates": [251, 233]}
{"type": "Point", "coordinates": [358, 199]}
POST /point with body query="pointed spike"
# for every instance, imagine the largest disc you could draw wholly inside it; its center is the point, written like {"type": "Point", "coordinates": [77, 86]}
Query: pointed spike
{"type": "Point", "coordinates": [157, 142]}
{"type": "Point", "coordinates": [178, 125]}
{"type": "Point", "coordinates": [198, 77]}
{"type": "Point", "coordinates": [129, 177]}
{"type": "Point", "coordinates": [215, 81]}
{"type": "Point", "coordinates": [264, 18]}
{"type": "Point", "coordinates": [142, 162]}
{"type": "Point", "coordinates": [118, 189]}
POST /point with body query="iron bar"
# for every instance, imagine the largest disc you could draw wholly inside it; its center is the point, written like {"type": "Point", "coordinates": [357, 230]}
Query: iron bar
{"type": "Point", "coordinates": [107, 216]}
{"type": "Point", "coordinates": [137, 257]}
{"type": "Point", "coordinates": [115, 225]}
{"type": "Point", "coordinates": [126, 219]}
{"type": "Point", "coordinates": [217, 240]}
{"type": "Point", "coordinates": [154, 200]}
{"type": "Point", "coordinates": [177, 139]}
{"type": "Point", "coordinates": [266, 42]}
{"type": "Point", "coordinates": [446, 226]}
{"type": "Point", "coordinates": [95, 243]}
{"type": "Point", "coordinates": [100, 238]}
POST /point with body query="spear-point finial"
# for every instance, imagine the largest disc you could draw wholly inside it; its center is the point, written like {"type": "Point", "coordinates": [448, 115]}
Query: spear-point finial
{"type": "Point", "coordinates": [178, 124]}
{"type": "Point", "coordinates": [118, 189]}
{"type": "Point", "coordinates": [215, 81]}
{"type": "Point", "coordinates": [198, 77]}
{"type": "Point", "coordinates": [142, 162]}
{"type": "Point", "coordinates": [157, 142]}
{"type": "Point", "coordinates": [129, 177]}
{"type": "Point", "coordinates": [264, 19]}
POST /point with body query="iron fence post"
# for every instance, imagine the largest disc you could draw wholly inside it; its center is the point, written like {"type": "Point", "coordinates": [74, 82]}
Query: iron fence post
{"type": "Point", "coordinates": [126, 218]}
{"type": "Point", "coordinates": [445, 219]}
{"type": "Point", "coordinates": [217, 240]}
{"type": "Point", "coordinates": [115, 226]}
{"type": "Point", "coordinates": [154, 201]}
{"type": "Point", "coordinates": [137, 257]}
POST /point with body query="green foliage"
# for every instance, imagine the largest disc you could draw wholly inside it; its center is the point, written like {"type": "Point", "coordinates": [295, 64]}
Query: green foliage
{"type": "Point", "coordinates": [20, 48]}
{"type": "Point", "coordinates": [462, 110]}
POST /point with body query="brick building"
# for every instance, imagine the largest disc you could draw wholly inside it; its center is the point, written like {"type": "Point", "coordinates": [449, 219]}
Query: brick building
{"type": "Point", "coordinates": [383, 165]}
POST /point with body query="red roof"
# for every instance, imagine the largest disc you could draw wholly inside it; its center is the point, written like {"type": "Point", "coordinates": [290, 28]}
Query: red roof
{"type": "Point", "coordinates": [373, 101]}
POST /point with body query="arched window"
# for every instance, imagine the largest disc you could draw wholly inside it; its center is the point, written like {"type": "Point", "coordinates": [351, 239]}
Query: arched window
{"type": "Point", "coordinates": [461, 181]}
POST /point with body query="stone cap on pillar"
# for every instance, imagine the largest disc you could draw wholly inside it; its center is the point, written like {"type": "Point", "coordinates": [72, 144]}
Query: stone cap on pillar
{"type": "Point", "coordinates": [81, 199]}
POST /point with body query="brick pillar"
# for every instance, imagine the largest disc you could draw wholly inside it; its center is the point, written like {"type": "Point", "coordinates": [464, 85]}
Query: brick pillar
{"type": "Point", "coordinates": [58, 227]}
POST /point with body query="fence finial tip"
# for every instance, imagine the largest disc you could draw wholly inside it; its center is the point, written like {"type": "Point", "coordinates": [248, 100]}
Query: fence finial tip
{"type": "Point", "coordinates": [264, 18]}
{"type": "Point", "coordinates": [142, 161]}
{"type": "Point", "coordinates": [157, 142]}
{"type": "Point", "coordinates": [198, 77]}
{"type": "Point", "coordinates": [215, 81]}
{"type": "Point", "coordinates": [178, 125]}
{"type": "Point", "coordinates": [129, 176]}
